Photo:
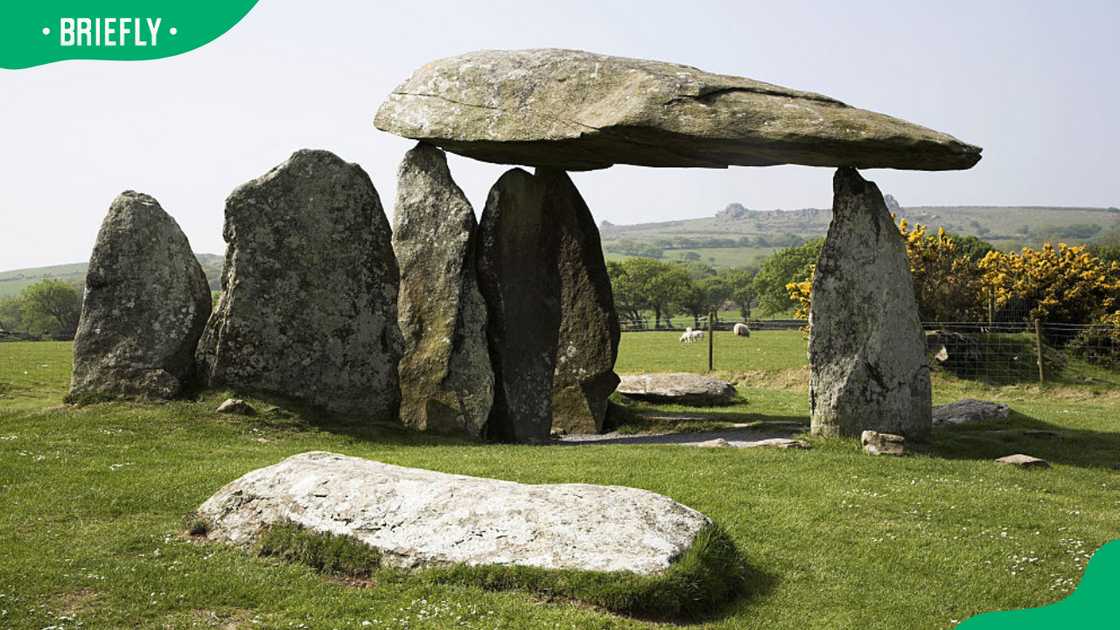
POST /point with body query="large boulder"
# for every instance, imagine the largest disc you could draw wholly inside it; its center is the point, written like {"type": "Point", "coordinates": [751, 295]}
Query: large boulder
{"type": "Point", "coordinates": [447, 385]}
{"type": "Point", "coordinates": [553, 331]}
{"type": "Point", "coordinates": [679, 388]}
{"type": "Point", "coordinates": [576, 110]}
{"type": "Point", "coordinates": [517, 256]}
{"type": "Point", "coordinates": [146, 304]}
{"type": "Point", "coordinates": [867, 352]}
{"type": "Point", "coordinates": [587, 346]}
{"type": "Point", "coordinates": [418, 517]}
{"type": "Point", "coordinates": [309, 303]}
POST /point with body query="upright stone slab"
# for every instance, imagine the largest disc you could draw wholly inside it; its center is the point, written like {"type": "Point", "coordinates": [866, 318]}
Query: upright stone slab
{"type": "Point", "coordinates": [309, 303]}
{"type": "Point", "coordinates": [589, 329]}
{"type": "Point", "coordinates": [447, 385]}
{"type": "Point", "coordinates": [517, 275]}
{"type": "Point", "coordinates": [145, 306]}
{"type": "Point", "coordinates": [866, 346]}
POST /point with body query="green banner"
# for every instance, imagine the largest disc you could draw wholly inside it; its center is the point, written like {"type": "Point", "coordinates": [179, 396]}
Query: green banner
{"type": "Point", "coordinates": [36, 32]}
{"type": "Point", "coordinates": [1095, 605]}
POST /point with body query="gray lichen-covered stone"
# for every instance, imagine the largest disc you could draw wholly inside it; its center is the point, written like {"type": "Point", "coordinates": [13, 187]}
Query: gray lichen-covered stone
{"type": "Point", "coordinates": [447, 385]}
{"type": "Point", "coordinates": [875, 443]}
{"type": "Point", "coordinates": [419, 518]}
{"type": "Point", "coordinates": [576, 110]}
{"type": "Point", "coordinates": [587, 346]}
{"type": "Point", "coordinates": [553, 330]}
{"type": "Point", "coordinates": [970, 411]}
{"type": "Point", "coordinates": [309, 303]}
{"type": "Point", "coordinates": [867, 352]}
{"type": "Point", "coordinates": [146, 304]}
{"type": "Point", "coordinates": [517, 256]}
{"type": "Point", "coordinates": [681, 388]}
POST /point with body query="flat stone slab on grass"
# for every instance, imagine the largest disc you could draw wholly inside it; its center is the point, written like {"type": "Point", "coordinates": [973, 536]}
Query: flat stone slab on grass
{"type": "Point", "coordinates": [1023, 461]}
{"type": "Point", "coordinates": [419, 517]}
{"type": "Point", "coordinates": [677, 388]}
{"type": "Point", "coordinates": [577, 110]}
{"type": "Point", "coordinates": [969, 411]}
{"type": "Point", "coordinates": [773, 435]}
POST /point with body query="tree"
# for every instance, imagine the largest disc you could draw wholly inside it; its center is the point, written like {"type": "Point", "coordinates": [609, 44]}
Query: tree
{"type": "Point", "coordinates": [740, 283]}
{"type": "Point", "coordinates": [646, 284]}
{"type": "Point", "coordinates": [781, 268]}
{"type": "Point", "coordinates": [51, 307]}
{"type": "Point", "coordinates": [11, 316]}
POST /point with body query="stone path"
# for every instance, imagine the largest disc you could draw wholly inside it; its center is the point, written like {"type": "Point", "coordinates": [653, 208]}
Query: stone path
{"type": "Point", "coordinates": [742, 436]}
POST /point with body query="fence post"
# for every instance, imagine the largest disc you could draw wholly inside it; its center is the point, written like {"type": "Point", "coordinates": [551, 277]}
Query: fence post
{"type": "Point", "coordinates": [1038, 350]}
{"type": "Point", "coordinates": [711, 339]}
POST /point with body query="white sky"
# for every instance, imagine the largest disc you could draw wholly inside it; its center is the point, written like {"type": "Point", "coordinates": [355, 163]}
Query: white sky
{"type": "Point", "coordinates": [1034, 83]}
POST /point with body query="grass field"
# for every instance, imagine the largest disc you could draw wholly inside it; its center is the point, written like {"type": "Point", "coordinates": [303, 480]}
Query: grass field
{"type": "Point", "coordinates": [93, 500]}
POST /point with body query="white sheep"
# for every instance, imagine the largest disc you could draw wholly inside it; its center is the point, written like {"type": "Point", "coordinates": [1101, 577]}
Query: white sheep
{"type": "Point", "coordinates": [741, 330]}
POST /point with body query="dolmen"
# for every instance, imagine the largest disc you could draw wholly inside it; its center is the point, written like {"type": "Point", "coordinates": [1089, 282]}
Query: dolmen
{"type": "Point", "coordinates": [504, 328]}
{"type": "Point", "coordinates": [566, 110]}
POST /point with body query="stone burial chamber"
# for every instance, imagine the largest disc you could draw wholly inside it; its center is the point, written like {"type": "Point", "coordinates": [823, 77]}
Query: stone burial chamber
{"type": "Point", "coordinates": [567, 110]}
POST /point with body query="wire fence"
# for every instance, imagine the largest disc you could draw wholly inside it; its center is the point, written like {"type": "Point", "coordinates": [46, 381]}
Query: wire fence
{"type": "Point", "coordinates": [1001, 353]}
{"type": "Point", "coordinates": [995, 352]}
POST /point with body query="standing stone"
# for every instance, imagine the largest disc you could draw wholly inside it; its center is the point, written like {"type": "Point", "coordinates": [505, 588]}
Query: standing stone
{"type": "Point", "coordinates": [309, 303]}
{"type": "Point", "coordinates": [553, 330]}
{"type": "Point", "coordinates": [146, 303]}
{"type": "Point", "coordinates": [517, 275]}
{"type": "Point", "coordinates": [589, 329]}
{"type": "Point", "coordinates": [867, 352]}
{"type": "Point", "coordinates": [447, 385]}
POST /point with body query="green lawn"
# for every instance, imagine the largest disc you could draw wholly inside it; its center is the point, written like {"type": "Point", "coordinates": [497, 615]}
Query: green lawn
{"type": "Point", "coordinates": [93, 500]}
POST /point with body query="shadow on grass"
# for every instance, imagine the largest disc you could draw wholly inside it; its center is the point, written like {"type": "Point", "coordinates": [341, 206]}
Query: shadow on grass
{"type": "Point", "coordinates": [1021, 433]}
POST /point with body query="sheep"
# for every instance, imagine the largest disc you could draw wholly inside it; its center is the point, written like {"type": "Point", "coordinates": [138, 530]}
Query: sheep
{"type": "Point", "coordinates": [691, 336]}
{"type": "Point", "coordinates": [686, 336]}
{"type": "Point", "coordinates": [741, 330]}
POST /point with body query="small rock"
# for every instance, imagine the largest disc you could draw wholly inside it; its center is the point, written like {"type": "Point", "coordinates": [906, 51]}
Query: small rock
{"type": "Point", "coordinates": [677, 388]}
{"type": "Point", "coordinates": [716, 443]}
{"type": "Point", "coordinates": [779, 443]}
{"type": "Point", "coordinates": [1023, 461]}
{"type": "Point", "coordinates": [237, 407]}
{"type": "Point", "coordinates": [969, 411]}
{"type": "Point", "coordinates": [875, 443]}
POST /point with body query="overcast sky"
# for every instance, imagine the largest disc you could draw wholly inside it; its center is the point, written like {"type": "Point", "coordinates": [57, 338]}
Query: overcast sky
{"type": "Point", "coordinates": [1034, 83]}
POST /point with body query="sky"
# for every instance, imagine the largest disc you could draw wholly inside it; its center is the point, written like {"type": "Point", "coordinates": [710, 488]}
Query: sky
{"type": "Point", "coordinates": [1034, 83]}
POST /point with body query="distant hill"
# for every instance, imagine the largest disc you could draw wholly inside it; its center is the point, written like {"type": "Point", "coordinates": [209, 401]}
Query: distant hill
{"type": "Point", "coordinates": [739, 236]}
{"type": "Point", "coordinates": [12, 282]}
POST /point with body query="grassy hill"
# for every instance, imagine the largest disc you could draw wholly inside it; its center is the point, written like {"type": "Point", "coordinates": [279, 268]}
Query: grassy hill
{"type": "Point", "coordinates": [737, 236]}
{"type": "Point", "coordinates": [12, 282]}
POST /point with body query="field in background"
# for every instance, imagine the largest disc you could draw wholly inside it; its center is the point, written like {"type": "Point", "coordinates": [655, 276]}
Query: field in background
{"type": "Point", "coordinates": [92, 502]}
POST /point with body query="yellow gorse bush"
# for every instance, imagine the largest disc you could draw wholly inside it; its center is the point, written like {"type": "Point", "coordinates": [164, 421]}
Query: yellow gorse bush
{"type": "Point", "coordinates": [1053, 284]}
{"type": "Point", "coordinates": [948, 285]}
